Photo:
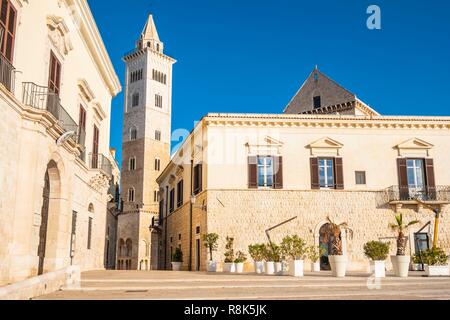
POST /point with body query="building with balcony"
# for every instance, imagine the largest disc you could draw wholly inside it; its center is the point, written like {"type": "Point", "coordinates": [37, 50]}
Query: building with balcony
{"type": "Point", "coordinates": [56, 86]}
{"type": "Point", "coordinates": [331, 156]}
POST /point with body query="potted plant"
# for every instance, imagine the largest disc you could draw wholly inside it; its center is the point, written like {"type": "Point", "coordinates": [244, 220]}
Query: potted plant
{"type": "Point", "coordinates": [338, 261]}
{"type": "Point", "coordinates": [239, 261]}
{"type": "Point", "coordinates": [436, 262]}
{"type": "Point", "coordinates": [295, 248]}
{"type": "Point", "coordinates": [268, 257]}
{"type": "Point", "coordinates": [400, 262]}
{"type": "Point", "coordinates": [210, 241]}
{"type": "Point", "coordinates": [177, 259]}
{"type": "Point", "coordinates": [229, 265]}
{"type": "Point", "coordinates": [277, 258]}
{"type": "Point", "coordinates": [377, 252]}
{"type": "Point", "coordinates": [256, 251]}
{"type": "Point", "coordinates": [314, 254]}
{"type": "Point", "coordinates": [417, 261]}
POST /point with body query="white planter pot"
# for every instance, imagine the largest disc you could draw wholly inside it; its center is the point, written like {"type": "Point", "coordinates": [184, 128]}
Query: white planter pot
{"type": "Point", "coordinates": [240, 267]}
{"type": "Point", "coordinates": [296, 268]}
{"type": "Point", "coordinates": [229, 267]}
{"type": "Point", "coordinates": [435, 271]}
{"type": "Point", "coordinates": [259, 267]}
{"type": "Point", "coordinates": [270, 267]}
{"type": "Point", "coordinates": [278, 268]}
{"type": "Point", "coordinates": [416, 267]}
{"type": "Point", "coordinates": [338, 265]}
{"type": "Point", "coordinates": [378, 268]}
{"type": "Point", "coordinates": [211, 266]}
{"type": "Point", "coordinates": [400, 265]}
{"type": "Point", "coordinates": [176, 266]}
{"type": "Point", "coordinates": [315, 266]}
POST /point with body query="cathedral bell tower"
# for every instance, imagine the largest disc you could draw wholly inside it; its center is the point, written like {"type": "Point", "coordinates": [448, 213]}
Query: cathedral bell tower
{"type": "Point", "coordinates": [146, 148]}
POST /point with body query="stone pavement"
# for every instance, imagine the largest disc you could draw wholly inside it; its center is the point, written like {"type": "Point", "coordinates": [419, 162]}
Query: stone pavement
{"type": "Point", "coordinates": [203, 286]}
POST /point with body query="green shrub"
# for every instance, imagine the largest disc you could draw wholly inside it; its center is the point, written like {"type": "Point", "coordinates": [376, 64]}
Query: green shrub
{"type": "Point", "coordinates": [240, 257]}
{"type": "Point", "coordinates": [294, 247]}
{"type": "Point", "coordinates": [315, 252]}
{"type": "Point", "coordinates": [435, 257]}
{"type": "Point", "coordinates": [178, 255]}
{"type": "Point", "coordinates": [257, 251]}
{"type": "Point", "coordinates": [272, 253]}
{"type": "Point", "coordinates": [229, 253]}
{"type": "Point", "coordinates": [376, 250]}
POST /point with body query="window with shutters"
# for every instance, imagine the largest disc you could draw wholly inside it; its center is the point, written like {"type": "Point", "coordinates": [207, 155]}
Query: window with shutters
{"type": "Point", "coordinates": [171, 200]}
{"type": "Point", "coordinates": [326, 173]}
{"type": "Point", "coordinates": [265, 171]}
{"type": "Point", "coordinates": [197, 178]}
{"type": "Point", "coordinates": [54, 78]}
{"type": "Point", "coordinates": [360, 177]}
{"type": "Point", "coordinates": [180, 193]}
{"type": "Point", "coordinates": [8, 16]}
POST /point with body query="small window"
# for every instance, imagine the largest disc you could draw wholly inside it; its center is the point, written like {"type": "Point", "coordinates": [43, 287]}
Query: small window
{"type": "Point", "coordinates": [89, 240]}
{"type": "Point", "coordinates": [172, 200]}
{"type": "Point", "coordinates": [180, 193]}
{"type": "Point", "coordinates": [171, 239]}
{"type": "Point", "coordinates": [197, 178]}
{"type": "Point", "coordinates": [197, 230]}
{"type": "Point", "coordinates": [157, 135]}
{"type": "Point", "coordinates": [265, 171]}
{"type": "Point", "coordinates": [132, 164]}
{"type": "Point", "coordinates": [158, 101]}
{"type": "Point", "coordinates": [360, 177]}
{"type": "Point", "coordinates": [135, 99]}
{"type": "Point", "coordinates": [179, 236]}
{"type": "Point", "coordinates": [131, 195]}
{"type": "Point", "coordinates": [156, 195]}
{"type": "Point", "coordinates": [133, 133]}
{"type": "Point", "coordinates": [316, 76]}
{"type": "Point", "coordinates": [157, 164]}
{"type": "Point", "coordinates": [316, 102]}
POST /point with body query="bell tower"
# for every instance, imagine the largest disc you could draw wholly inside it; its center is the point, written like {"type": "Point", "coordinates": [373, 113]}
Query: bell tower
{"type": "Point", "coordinates": [145, 149]}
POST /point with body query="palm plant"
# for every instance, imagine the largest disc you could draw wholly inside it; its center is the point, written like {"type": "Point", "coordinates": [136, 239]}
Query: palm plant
{"type": "Point", "coordinates": [400, 227]}
{"type": "Point", "coordinates": [333, 233]}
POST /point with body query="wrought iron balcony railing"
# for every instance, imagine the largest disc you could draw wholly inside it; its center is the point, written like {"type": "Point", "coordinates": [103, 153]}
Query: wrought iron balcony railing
{"type": "Point", "coordinates": [100, 162]}
{"type": "Point", "coordinates": [400, 193]}
{"type": "Point", "coordinates": [42, 98]}
{"type": "Point", "coordinates": [7, 73]}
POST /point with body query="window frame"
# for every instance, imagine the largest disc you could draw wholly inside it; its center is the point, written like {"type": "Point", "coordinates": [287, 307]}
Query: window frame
{"type": "Point", "coordinates": [266, 173]}
{"type": "Point", "coordinates": [132, 164]}
{"type": "Point", "coordinates": [8, 33]}
{"type": "Point", "coordinates": [414, 167]}
{"type": "Point", "coordinates": [363, 174]}
{"type": "Point", "coordinates": [333, 172]}
{"type": "Point", "coordinates": [131, 194]}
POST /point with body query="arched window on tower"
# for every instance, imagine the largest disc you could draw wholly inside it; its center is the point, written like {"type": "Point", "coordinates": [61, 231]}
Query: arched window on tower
{"type": "Point", "coordinates": [131, 195]}
{"type": "Point", "coordinates": [133, 133]}
{"type": "Point", "coordinates": [132, 164]}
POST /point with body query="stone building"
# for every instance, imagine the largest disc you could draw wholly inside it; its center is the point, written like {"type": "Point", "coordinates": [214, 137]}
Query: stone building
{"type": "Point", "coordinates": [146, 148]}
{"type": "Point", "coordinates": [56, 86]}
{"type": "Point", "coordinates": [240, 174]}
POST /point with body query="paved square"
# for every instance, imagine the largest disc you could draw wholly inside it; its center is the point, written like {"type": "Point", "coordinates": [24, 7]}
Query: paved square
{"type": "Point", "coordinates": [204, 286]}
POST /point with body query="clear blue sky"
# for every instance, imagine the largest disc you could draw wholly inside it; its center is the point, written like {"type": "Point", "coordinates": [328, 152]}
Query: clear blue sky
{"type": "Point", "coordinates": [253, 55]}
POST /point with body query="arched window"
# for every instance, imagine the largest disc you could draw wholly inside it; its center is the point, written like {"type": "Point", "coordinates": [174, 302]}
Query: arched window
{"type": "Point", "coordinates": [135, 99]}
{"type": "Point", "coordinates": [131, 195]}
{"type": "Point", "coordinates": [129, 247]}
{"type": "Point", "coordinates": [157, 47]}
{"type": "Point", "coordinates": [132, 164]}
{"type": "Point", "coordinates": [157, 135]}
{"type": "Point", "coordinates": [121, 248]}
{"type": "Point", "coordinates": [133, 133]}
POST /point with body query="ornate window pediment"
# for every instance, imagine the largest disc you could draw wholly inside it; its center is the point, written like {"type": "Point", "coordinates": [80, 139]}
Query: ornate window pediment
{"type": "Point", "coordinates": [179, 171]}
{"type": "Point", "coordinates": [58, 33]}
{"type": "Point", "coordinates": [414, 147]}
{"type": "Point", "coordinates": [86, 90]}
{"type": "Point", "coordinates": [98, 110]}
{"type": "Point", "coordinates": [325, 146]}
{"type": "Point", "coordinates": [270, 146]}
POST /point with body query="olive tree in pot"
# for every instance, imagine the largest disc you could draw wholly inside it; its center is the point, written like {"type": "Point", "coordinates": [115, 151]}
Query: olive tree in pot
{"type": "Point", "coordinates": [295, 248]}
{"type": "Point", "coordinates": [338, 261]}
{"type": "Point", "coordinates": [436, 262]}
{"type": "Point", "coordinates": [210, 241]}
{"type": "Point", "coordinates": [256, 251]}
{"type": "Point", "coordinates": [268, 257]}
{"type": "Point", "coordinates": [400, 262]}
{"type": "Point", "coordinates": [177, 259]}
{"type": "Point", "coordinates": [239, 261]}
{"type": "Point", "coordinates": [229, 265]}
{"type": "Point", "coordinates": [314, 254]}
{"type": "Point", "coordinates": [272, 254]}
{"type": "Point", "coordinates": [377, 252]}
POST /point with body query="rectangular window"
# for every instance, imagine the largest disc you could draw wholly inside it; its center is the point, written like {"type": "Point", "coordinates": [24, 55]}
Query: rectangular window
{"type": "Point", "coordinates": [158, 135]}
{"type": "Point", "coordinates": [180, 193]}
{"type": "Point", "coordinates": [132, 165]}
{"type": "Point", "coordinates": [265, 171]}
{"type": "Point", "coordinates": [89, 233]}
{"type": "Point", "coordinates": [326, 173]}
{"type": "Point", "coordinates": [415, 173]}
{"type": "Point", "coordinates": [316, 102]}
{"type": "Point", "coordinates": [198, 178]}
{"type": "Point", "coordinates": [360, 177]}
{"type": "Point", "coordinates": [95, 145]}
{"type": "Point", "coordinates": [172, 200]}
{"type": "Point", "coordinates": [135, 100]}
{"type": "Point", "coordinates": [7, 29]}
{"type": "Point", "coordinates": [158, 101]}
{"type": "Point", "coordinates": [157, 164]}
{"type": "Point", "coordinates": [54, 78]}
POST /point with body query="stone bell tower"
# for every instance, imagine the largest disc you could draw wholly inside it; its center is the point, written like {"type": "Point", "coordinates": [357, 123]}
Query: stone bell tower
{"type": "Point", "coordinates": [146, 148]}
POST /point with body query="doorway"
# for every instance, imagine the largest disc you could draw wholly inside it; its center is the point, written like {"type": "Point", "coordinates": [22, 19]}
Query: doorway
{"type": "Point", "coordinates": [325, 242]}
{"type": "Point", "coordinates": [197, 243]}
{"type": "Point", "coordinates": [44, 223]}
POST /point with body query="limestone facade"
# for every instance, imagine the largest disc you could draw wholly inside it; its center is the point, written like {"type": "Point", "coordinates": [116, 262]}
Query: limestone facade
{"type": "Point", "coordinates": [229, 206]}
{"type": "Point", "coordinates": [146, 149]}
{"type": "Point", "coordinates": [55, 164]}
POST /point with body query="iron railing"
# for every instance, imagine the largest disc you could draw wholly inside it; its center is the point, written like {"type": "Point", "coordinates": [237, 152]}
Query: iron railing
{"type": "Point", "coordinates": [400, 193]}
{"type": "Point", "coordinates": [42, 98]}
{"type": "Point", "coordinates": [7, 73]}
{"type": "Point", "coordinates": [100, 162]}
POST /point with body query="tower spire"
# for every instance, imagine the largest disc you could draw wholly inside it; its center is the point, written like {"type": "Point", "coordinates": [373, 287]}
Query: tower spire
{"type": "Point", "coordinates": [149, 36]}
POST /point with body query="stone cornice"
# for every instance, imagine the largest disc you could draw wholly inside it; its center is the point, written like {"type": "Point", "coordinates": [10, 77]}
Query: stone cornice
{"type": "Point", "coordinates": [137, 52]}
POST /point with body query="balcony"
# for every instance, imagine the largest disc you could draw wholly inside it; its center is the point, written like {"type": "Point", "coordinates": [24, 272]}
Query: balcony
{"type": "Point", "coordinates": [41, 98]}
{"type": "Point", "coordinates": [100, 162]}
{"type": "Point", "coordinates": [7, 74]}
{"type": "Point", "coordinates": [406, 195]}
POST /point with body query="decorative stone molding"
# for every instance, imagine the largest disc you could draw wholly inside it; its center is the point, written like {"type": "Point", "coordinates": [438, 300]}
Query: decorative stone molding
{"type": "Point", "coordinates": [271, 146]}
{"type": "Point", "coordinates": [179, 171]}
{"type": "Point", "coordinates": [414, 147]}
{"type": "Point", "coordinates": [325, 146]}
{"type": "Point", "coordinates": [58, 33]}
{"type": "Point", "coordinates": [101, 114]}
{"type": "Point", "coordinates": [86, 90]}
{"type": "Point", "coordinates": [99, 182]}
